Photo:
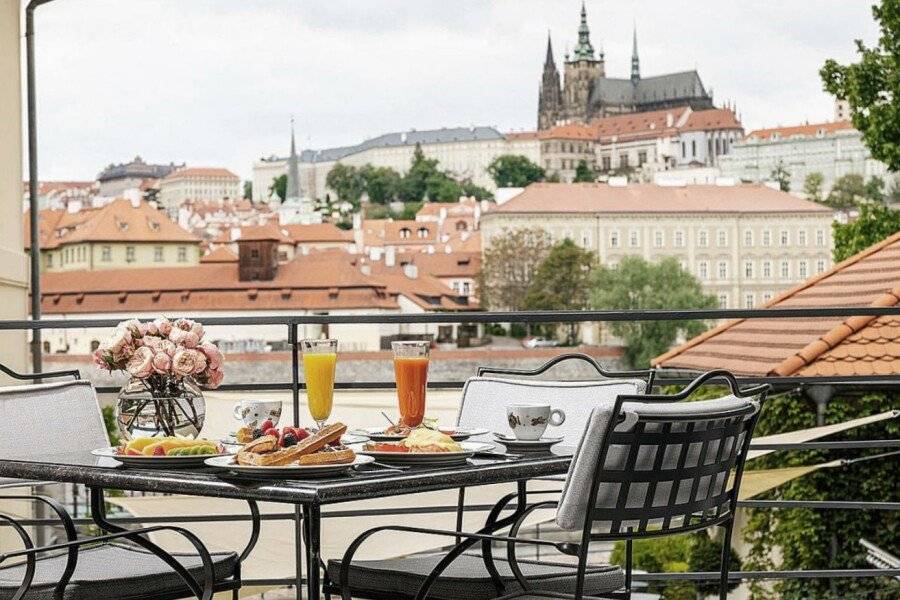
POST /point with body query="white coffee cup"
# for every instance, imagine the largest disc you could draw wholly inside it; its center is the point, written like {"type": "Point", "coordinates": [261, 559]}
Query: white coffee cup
{"type": "Point", "coordinates": [252, 413]}
{"type": "Point", "coordinates": [528, 422]}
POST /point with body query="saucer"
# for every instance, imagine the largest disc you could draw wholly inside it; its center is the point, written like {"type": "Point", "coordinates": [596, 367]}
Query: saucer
{"type": "Point", "coordinates": [516, 445]}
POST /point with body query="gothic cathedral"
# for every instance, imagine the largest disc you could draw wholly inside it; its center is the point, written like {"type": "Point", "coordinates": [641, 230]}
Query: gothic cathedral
{"type": "Point", "coordinates": [587, 93]}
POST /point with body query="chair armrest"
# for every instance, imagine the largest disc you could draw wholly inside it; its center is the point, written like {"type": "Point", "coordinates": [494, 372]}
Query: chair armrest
{"type": "Point", "coordinates": [135, 535]}
{"type": "Point", "coordinates": [470, 538]}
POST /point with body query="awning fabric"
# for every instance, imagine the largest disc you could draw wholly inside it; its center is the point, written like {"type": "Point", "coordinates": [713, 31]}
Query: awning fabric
{"type": "Point", "coordinates": [754, 483]}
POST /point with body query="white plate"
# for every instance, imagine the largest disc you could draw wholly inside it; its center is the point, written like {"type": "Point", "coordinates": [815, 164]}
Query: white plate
{"type": "Point", "coordinates": [346, 439]}
{"type": "Point", "coordinates": [426, 458]}
{"type": "Point", "coordinates": [377, 434]}
{"type": "Point", "coordinates": [294, 471]}
{"type": "Point", "coordinates": [156, 462]}
{"type": "Point", "coordinates": [514, 444]}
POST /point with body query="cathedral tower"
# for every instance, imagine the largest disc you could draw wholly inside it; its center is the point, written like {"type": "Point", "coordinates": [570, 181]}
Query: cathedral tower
{"type": "Point", "coordinates": [581, 71]}
{"type": "Point", "coordinates": [550, 94]}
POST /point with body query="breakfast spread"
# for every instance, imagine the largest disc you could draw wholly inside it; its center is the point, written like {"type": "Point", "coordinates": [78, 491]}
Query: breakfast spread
{"type": "Point", "coordinates": [291, 445]}
{"type": "Point", "coordinates": [420, 440]}
{"type": "Point", "coordinates": [169, 446]}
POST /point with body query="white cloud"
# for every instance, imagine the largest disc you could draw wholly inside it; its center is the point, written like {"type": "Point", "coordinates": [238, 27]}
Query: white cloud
{"type": "Point", "coordinates": [213, 82]}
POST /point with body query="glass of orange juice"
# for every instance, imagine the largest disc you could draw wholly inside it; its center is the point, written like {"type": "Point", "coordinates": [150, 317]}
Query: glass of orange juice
{"type": "Point", "coordinates": [411, 371]}
{"type": "Point", "coordinates": [319, 361]}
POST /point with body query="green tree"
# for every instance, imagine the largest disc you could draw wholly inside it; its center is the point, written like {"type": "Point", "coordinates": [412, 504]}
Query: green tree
{"type": "Point", "coordinates": [279, 186]}
{"type": "Point", "coordinates": [475, 191]}
{"type": "Point", "coordinates": [415, 182]}
{"type": "Point", "coordinates": [812, 186]}
{"type": "Point", "coordinates": [553, 177]}
{"type": "Point", "coordinates": [248, 190]}
{"type": "Point", "coordinates": [583, 173]}
{"type": "Point", "coordinates": [705, 555]}
{"type": "Point", "coordinates": [875, 189]}
{"type": "Point", "coordinates": [440, 187]}
{"type": "Point", "coordinates": [872, 86]}
{"type": "Point", "coordinates": [562, 281]}
{"type": "Point", "coordinates": [381, 183]}
{"type": "Point", "coordinates": [514, 170]}
{"type": "Point", "coordinates": [638, 284]}
{"type": "Point", "coordinates": [347, 183]}
{"type": "Point", "coordinates": [510, 261]}
{"type": "Point", "coordinates": [807, 539]}
{"type": "Point", "coordinates": [874, 223]}
{"type": "Point", "coordinates": [782, 176]}
{"type": "Point", "coordinates": [847, 192]}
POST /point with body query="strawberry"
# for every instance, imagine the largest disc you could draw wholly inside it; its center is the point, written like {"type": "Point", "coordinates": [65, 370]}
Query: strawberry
{"type": "Point", "coordinates": [131, 452]}
{"type": "Point", "coordinates": [271, 431]}
{"type": "Point", "coordinates": [159, 451]}
{"type": "Point", "coordinates": [300, 433]}
{"type": "Point", "coordinates": [266, 425]}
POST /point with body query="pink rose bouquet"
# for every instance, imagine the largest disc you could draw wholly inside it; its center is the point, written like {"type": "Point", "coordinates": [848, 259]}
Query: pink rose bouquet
{"type": "Point", "coordinates": [162, 353]}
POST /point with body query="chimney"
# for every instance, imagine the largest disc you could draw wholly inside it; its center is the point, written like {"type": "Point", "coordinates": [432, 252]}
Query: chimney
{"type": "Point", "coordinates": [358, 232]}
{"type": "Point", "coordinates": [73, 206]}
{"type": "Point", "coordinates": [670, 120]}
{"type": "Point", "coordinates": [257, 260]}
{"type": "Point", "coordinates": [411, 270]}
{"type": "Point", "coordinates": [390, 256]}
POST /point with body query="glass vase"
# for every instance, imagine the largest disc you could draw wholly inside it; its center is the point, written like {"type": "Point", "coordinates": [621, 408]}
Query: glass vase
{"type": "Point", "coordinates": [177, 410]}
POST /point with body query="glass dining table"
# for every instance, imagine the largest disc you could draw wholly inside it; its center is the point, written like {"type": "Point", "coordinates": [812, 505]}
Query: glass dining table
{"type": "Point", "coordinates": [307, 496]}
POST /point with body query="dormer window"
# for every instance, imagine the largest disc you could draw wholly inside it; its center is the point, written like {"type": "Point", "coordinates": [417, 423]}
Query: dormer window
{"type": "Point", "coordinates": [423, 232]}
{"type": "Point", "coordinates": [153, 225]}
{"type": "Point", "coordinates": [405, 233]}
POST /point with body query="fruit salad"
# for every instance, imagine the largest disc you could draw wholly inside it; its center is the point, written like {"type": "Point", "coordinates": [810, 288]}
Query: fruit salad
{"type": "Point", "coordinates": [169, 446]}
{"type": "Point", "coordinates": [286, 436]}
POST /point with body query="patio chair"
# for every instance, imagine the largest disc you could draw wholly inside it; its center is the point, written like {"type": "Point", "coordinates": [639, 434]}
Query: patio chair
{"type": "Point", "coordinates": [646, 466]}
{"type": "Point", "coordinates": [483, 405]}
{"type": "Point", "coordinates": [64, 417]}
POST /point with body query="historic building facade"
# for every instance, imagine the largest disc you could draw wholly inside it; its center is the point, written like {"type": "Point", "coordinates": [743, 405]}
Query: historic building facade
{"type": "Point", "coordinates": [586, 93]}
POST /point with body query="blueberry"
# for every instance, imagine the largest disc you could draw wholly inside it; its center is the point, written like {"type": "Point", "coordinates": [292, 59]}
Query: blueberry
{"type": "Point", "coordinates": [257, 433]}
{"type": "Point", "coordinates": [289, 440]}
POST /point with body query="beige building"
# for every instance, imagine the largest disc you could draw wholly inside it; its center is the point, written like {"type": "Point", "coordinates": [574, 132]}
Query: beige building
{"type": "Point", "coordinates": [13, 260]}
{"type": "Point", "coordinates": [197, 184]}
{"type": "Point", "coordinates": [744, 243]}
{"type": "Point", "coordinates": [465, 151]}
{"type": "Point", "coordinates": [124, 234]}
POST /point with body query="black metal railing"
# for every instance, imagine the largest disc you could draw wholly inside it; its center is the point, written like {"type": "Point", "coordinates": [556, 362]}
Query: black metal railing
{"type": "Point", "coordinates": [292, 324]}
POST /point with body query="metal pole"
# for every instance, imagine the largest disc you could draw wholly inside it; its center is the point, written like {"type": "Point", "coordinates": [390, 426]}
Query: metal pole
{"type": "Point", "coordinates": [34, 216]}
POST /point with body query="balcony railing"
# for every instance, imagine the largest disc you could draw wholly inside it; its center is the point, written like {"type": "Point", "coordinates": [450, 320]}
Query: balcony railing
{"type": "Point", "coordinates": [295, 385]}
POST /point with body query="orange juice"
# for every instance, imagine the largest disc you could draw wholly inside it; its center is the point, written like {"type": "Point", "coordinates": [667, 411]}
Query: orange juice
{"type": "Point", "coordinates": [319, 372]}
{"type": "Point", "coordinates": [412, 375]}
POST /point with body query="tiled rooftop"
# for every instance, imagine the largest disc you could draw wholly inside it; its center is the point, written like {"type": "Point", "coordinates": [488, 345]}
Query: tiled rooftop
{"type": "Point", "coordinates": [812, 346]}
{"type": "Point", "coordinates": [808, 129]}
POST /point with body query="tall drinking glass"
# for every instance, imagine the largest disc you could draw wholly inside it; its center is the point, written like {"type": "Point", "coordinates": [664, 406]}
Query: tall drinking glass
{"type": "Point", "coordinates": [411, 371]}
{"type": "Point", "coordinates": [319, 361]}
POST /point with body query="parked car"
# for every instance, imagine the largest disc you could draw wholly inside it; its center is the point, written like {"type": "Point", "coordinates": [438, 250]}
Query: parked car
{"type": "Point", "coordinates": [539, 342]}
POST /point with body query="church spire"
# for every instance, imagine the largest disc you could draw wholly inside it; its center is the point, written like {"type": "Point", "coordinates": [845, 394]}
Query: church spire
{"type": "Point", "coordinates": [292, 190]}
{"type": "Point", "coordinates": [583, 50]}
{"type": "Point", "coordinates": [635, 61]}
{"type": "Point", "coordinates": [549, 60]}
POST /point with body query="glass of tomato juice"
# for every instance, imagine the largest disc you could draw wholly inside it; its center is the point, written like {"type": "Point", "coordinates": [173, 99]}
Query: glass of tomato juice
{"type": "Point", "coordinates": [411, 371]}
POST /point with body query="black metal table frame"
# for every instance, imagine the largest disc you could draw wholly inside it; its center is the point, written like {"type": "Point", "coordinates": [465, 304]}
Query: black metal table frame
{"type": "Point", "coordinates": [307, 497]}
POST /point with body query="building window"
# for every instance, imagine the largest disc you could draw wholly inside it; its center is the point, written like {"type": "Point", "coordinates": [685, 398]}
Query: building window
{"type": "Point", "coordinates": [49, 260]}
{"type": "Point", "coordinates": [683, 153]}
{"type": "Point", "coordinates": [585, 238]}
{"type": "Point", "coordinates": [703, 270]}
{"type": "Point", "coordinates": [767, 268]}
{"type": "Point", "coordinates": [767, 296]}
{"type": "Point", "coordinates": [749, 300]}
{"type": "Point", "coordinates": [613, 239]}
{"type": "Point", "coordinates": [182, 254]}
{"type": "Point", "coordinates": [158, 253]}
{"type": "Point", "coordinates": [423, 232]}
{"type": "Point", "coordinates": [820, 265]}
{"type": "Point", "coordinates": [106, 253]}
{"type": "Point", "coordinates": [721, 238]}
{"type": "Point", "coordinates": [623, 161]}
{"type": "Point", "coordinates": [693, 147]}
{"type": "Point", "coordinates": [254, 253]}
{"type": "Point", "coordinates": [820, 237]}
{"type": "Point", "coordinates": [679, 239]}
{"type": "Point", "coordinates": [723, 300]}
{"type": "Point", "coordinates": [803, 270]}
{"type": "Point", "coordinates": [606, 162]}
{"type": "Point", "coordinates": [723, 269]}
{"type": "Point", "coordinates": [658, 239]}
{"type": "Point", "coordinates": [642, 158]}
{"type": "Point", "coordinates": [748, 269]}
{"type": "Point", "coordinates": [129, 254]}
{"type": "Point", "coordinates": [766, 237]}
{"type": "Point", "coordinates": [633, 240]}
{"type": "Point", "coordinates": [405, 233]}
{"type": "Point", "coordinates": [702, 238]}
{"type": "Point", "coordinates": [785, 269]}
{"type": "Point", "coordinates": [748, 238]}
{"type": "Point", "coordinates": [801, 237]}
{"type": "Point", "coordinates": [784, 238]}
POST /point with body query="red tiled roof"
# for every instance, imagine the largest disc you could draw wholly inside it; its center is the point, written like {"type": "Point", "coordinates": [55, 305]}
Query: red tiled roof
{"type": "Point", "coordinates": [318, 232]}
{"type": "Point", "coordinates": [808, 347]}
{"type": "Point", "coordinates": [433, 209]}
{"type": "Point", "coordinates": [203, 172]}
{"type": "Point", "coordinates": [713, 118]}
{"type": "Point", "coordinates": [50, 187]}
{"type": "Point", "coordinates": [117, 221]}
{"type": "Point", "coordinates": [569, 132]}
{"type": "Point", "coordinates": [805, 130]}
{"type": "Point", "coordinates": [455, 264]}
{"type": "Point", "coordinates": [269, 231]}
{"type": "Point", "coordinates": [426, 291]}
{"type": "Point", "coordinates": [220, 255]}
{"type": "Point", "coordinates": [650, 198]}
{"type": "Point", "coordinates": [380, 232]}
{"type": "Point", "coordinates": [522, 135]}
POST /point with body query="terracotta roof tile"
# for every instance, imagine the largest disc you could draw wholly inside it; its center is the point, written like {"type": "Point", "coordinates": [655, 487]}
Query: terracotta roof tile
{"type": "Point", "coordinates": [857, 345]}
{"type": "Point", "coordinates": [318, 232]}
{"type": "Point", "coordinates": [805, 130]}
{"type": "Point", "coordinates": [189, 172]}
{"type": "Point", "coordinates": [220, 255]}
{"type": "Point", "coordinates": [649, 198]}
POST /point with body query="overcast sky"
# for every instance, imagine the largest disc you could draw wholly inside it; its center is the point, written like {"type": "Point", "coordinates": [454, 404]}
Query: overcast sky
{"type": "Point", "coordinates": [214, 82]}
